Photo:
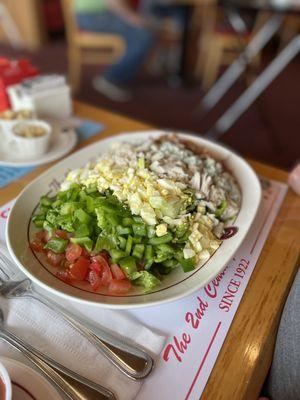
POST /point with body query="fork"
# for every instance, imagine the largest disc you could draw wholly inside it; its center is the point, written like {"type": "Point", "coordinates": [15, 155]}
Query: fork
{"type": "Point", "coordinates": [74, 386]}
{"type": "Point", "coordinates": [132, 361]}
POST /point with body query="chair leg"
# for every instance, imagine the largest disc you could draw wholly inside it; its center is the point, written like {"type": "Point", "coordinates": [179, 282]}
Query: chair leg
{"type": "Point", "coordinates": [75, 66]}
{"type": "Point", "coordinates": [207, 15]}
{"type": "Point", "coordinates": [200, 63]}
{"type": "Point", "coordinates": [271, 72]}
{"type": "Point", "coordinates": [289, 30]}
{"type": "Point", "coordinates": [212, 64]}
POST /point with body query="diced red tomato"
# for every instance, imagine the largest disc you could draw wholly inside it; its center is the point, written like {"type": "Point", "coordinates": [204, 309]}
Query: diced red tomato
{"type": "Point", "coordinates": [100, 260]}
{"type": "Point", "coordinates": [64, 276]}
{"type": "Point", "coordinates": [79, 269]}
{"type": "Point", "coordinates": [85, 253]}
{"type": "Point", "coordinates": [66, 264]}
{"type": "Point", "coordinates": [117, 272]}
{"type": "Point", "coordinates": [37, 246]}
{"type": "Point", "coordinates": [61, 234]}
{"type": "Point", "coordinates": [105, 255]}
{"type": "Point", "coordinates": [117, 287]}
{"type": "Point", "coordinates": [95, 266]}
{"type": "Point", "coordinates": [106, 275]}
{"type": "Point", "coordinates": [73, 251]}
{"type": "Point", "coordinates": [42, 236]}
{"type": "Point", "coordinates": [94, 278]}
{"type": "Point", "coordinates": [77, 264]}
{"type": "Point", "coordinates": [55, 259]}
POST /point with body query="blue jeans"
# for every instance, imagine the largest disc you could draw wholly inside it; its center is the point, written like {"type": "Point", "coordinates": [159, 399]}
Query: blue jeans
{"type": "Point", "coordinates": [138, 41]}
{"type": "Point", "coordinates": [157, 9]}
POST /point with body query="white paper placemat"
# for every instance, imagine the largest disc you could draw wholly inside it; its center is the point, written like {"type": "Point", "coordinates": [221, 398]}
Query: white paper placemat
{"type": "Point", "coordinates": [197, 325]}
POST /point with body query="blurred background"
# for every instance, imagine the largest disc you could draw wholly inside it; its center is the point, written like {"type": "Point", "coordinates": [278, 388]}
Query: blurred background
{"type": "Point", "coordinates": [167, 74]}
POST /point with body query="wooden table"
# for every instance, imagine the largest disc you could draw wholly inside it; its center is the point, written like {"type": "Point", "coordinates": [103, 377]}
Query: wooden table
{"type": "Point", "coordinates": [246, 355]}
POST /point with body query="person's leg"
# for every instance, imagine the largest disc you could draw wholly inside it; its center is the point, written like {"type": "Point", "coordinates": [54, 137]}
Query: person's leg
{"type": "Point", "coordinates": [177, 13]}
{"type": "Point", "coordinates": [284, 377]}
{"type": "Point", "coordinates": [138, 41]}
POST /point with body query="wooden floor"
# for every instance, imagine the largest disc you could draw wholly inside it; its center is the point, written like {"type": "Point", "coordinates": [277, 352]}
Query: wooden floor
{"type": "Point", "coordinates": [269, 131]}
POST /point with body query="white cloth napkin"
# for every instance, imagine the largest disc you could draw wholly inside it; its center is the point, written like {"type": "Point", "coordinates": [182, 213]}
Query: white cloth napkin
{"type": "Point", "coordinates": [48, 332]}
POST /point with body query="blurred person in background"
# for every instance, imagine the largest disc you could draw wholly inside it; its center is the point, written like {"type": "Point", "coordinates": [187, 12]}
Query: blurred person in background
{"type": "Point", "coordinates": [161, 9]}
{"type": "Point", "coordinates": [117, 17]}
{"type": "Point", "coordinates": [166, 16]}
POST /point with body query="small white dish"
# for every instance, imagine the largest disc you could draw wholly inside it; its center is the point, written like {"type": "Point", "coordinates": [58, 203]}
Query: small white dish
{"type": "Point", "coordinates": [61, 143]}
{"type": "Point", "coordinates": [5, 383]}
{"type": "Point", "coordinates": [27, 383]}
{"type": "Point", "coordinates": [27, 147]}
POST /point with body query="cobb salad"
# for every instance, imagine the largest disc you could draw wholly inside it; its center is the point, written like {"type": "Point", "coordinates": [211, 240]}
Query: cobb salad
{"type": "Point", "coordinates": [135, 214]}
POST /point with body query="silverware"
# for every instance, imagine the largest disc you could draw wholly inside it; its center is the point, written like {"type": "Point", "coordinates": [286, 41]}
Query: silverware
{"type": "Point", "coordinates": [132, 361]}
{"type": "Point", "coordinates": [74, 386]}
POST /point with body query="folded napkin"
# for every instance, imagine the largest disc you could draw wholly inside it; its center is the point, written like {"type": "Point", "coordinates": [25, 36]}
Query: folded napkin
{"type": "Point", "coordinates": [48, 332]}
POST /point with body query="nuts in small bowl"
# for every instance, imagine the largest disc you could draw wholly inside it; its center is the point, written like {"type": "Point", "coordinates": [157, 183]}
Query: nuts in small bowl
{"type": "Point", "coordinates": [30, 130]}
{"type": "Point", "coordinates": [30, 138]}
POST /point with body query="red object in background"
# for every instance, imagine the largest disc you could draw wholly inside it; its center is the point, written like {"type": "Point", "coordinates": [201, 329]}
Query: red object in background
{"type": "Point", "coordinates": [11, 73]}
{"type": "Point", "coordinates": [53, 16]}
{"type": "Point", "coordinates": [135, 3]}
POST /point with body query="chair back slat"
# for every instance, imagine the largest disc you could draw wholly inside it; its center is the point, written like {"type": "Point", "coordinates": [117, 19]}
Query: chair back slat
{"type": "Point", "coordinates": [70, 19]}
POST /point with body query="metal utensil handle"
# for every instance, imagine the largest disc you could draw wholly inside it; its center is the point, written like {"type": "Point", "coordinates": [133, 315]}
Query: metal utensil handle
{"type": "Point", "coordinates": [49, 368]}
{"type": "Point", "coordinates": [132, 361]}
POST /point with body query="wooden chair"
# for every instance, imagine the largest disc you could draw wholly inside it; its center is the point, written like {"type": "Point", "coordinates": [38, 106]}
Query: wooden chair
{"type": "Point", "coordinates": [217, 46]}
{"type": "Point", "coordinates": [88, 47]}
{"type": "Point", "coordinates": [290, 28]}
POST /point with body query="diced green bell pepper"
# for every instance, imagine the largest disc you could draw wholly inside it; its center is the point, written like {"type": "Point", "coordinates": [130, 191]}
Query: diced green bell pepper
{"type": "Point", "coordinates": [48, 227]}
{"type": "Point", "coordinates": [137, 239]}
{"type": "Point", "coordinates": [187, 264]}
{"type": "Point", "coordinates": [83, 241]}
{"type": "Point", "coordinates": [151, 231]}
{"type": "Point", "coordinates": [127, 221]}
{"type": "Point", "coordinates": [116, 255]}
{"type": "Point", "coordinates": [123, 230]}
{"type": "Point", "coordinates": [128, 245]}
{"type": "Point", "coordinates": [52, 218]}
{"type": "Point", "coordinates": [82, 216]}
{"type": "Point", "coordinates": [139, 229]}
{"type": "Point", "coordinates": [149, 252]}
{"type": "Point", "coordinates": [122, 242]}
{"type": "Point", "coordinates": [138, 251]}
{"type": "Point", "coordinates": [56, 244]}
{"type": "Point", "coordinates": [38, 220]}
{"type": "Point", "coordinates": [220, 210]}
{"type": "Point", "coordinates": [128, 265]}
{"type": "Point", "coordinates": [46, 201]}
{"type": "Point", "coordinates": [82, 230]}
{"type": "Point", "coordinates": [160, 240]}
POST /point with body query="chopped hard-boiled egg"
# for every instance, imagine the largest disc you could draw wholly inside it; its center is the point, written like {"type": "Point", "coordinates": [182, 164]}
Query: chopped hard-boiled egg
{"type": "Point", "coordinates": [168, 186]}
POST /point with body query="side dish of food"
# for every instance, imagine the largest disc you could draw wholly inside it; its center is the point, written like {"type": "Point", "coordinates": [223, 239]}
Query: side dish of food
{"type": "Point", "coordinates": [135, 214]}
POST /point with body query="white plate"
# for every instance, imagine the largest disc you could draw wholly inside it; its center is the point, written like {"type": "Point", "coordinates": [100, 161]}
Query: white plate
{"type": "Point", "coordinates": [175, 285]}
{"type": "Point", "coordinates": [62, 142]}
{"type": "Point", "coordinates": [27, 383]}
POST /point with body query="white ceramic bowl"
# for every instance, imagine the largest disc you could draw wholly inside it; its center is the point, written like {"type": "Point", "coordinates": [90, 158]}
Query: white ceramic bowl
{"type": "Point", "coordinates": [28, 147]}
{"type": "Point", "coordinates": [4, 376]}
{"type": "Point", "coordinates": [28, 383]}
{"type": "Point", "coordinates": [178, 284]}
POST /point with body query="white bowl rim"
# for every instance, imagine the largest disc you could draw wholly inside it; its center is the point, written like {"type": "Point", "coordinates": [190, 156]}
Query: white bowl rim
{"type": "Point", "coordinates": [134, 305]}
{"type": "Point", "coordinates": [6, 379]}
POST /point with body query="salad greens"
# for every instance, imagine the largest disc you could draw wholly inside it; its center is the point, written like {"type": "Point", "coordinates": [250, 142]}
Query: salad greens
{"type": "Point", "coordinates": [100, 222]}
